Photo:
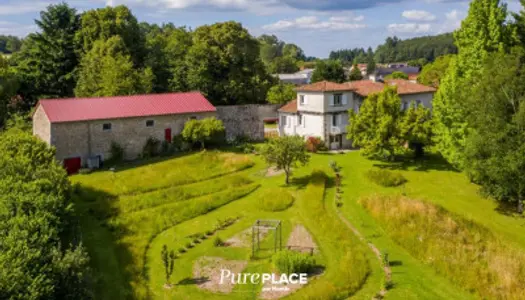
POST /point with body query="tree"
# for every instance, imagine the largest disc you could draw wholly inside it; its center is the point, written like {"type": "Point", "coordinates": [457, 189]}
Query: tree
{"type": "Point", "coordinates": [495, 146]}
{"type": "Point", "coordinates": [330, 71]}
{"type": "Point", "coordinates": [107, 70]}
{"type": "Point", "coordinates": [284, 64]}
{"type": "Point", "coordinates": [224, 64]}
{"type": "Point", "coordinates": [46, 64]}
{"type": "Point", "coordinates": [104, 23]}
{"type": "Point", "coordinates": [397, 75]}
{"type": "Point", "coordinates": [370, 62]}
{"type": "Point", "coordinates": [8, 88]}
{"type": "Point", "coordinates": [201, 131]}
{"type": "Point", "coordinates": [416, 50]}
{"type": "Point", "coordinates": [355, 73]}
{"type": "Point", "coordinates": [270, 48]}
{"type": "Point", "coordinates": [416, 128]}
{"type": "Point", "coordinates": [375, 128]}
{"type": "Point", "coordinates": [482, 32]}
{"type": "Point", "coordinates": [285, 153]}
{"type": "Point", "coordinates": [432, 73]}
{"type": "Point", "coordinates": [168, 260]}
{"type": "Point", "coordinates": [293, 51]}
{"type": "Point", "coordinates": [9, 44]}
{"type": "Point", "coordinates": [38, 257]}
{"type": "Point", "coordinates": [281, 93]}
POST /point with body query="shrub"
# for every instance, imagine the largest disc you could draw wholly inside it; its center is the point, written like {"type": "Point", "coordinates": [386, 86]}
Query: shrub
{"type": "Point", "coordinates": [196, 241]}
{"type": "Point", "coordinates": [209, 232]}
{"type": "Point", "coordinates": [313, 144]}
{"type": "Point", "coordinates": [288, 262]}
{"type": "Point", "coordinates": [116, 151]}
{"type": "Point", "coordinates": [151, 148]}
{"type": "Point", "coordinates": [182, 250]}
{"type": "Point", "coordinates": [386, 178]}
{"type": "Point", "coordinates": [277, 199]}
{"type": "Point", "coordinates": [189, 245]}
{"type": "Point", "coordinates": [218, 242]}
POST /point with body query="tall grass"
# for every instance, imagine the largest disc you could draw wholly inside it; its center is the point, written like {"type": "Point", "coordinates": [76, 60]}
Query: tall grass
{"type": "Point", "coordinates": [137, 229]}
{"type": "Point", "coordinates": [172, 172]}
{"type": "Point", "coordinates": [345, 255]}
{"type": "Point", "coordinates": [465, 252]}
{"type": "Point", "coordinates": [276, 199]}
{"type": "Point", "coordinates": [105, 207]}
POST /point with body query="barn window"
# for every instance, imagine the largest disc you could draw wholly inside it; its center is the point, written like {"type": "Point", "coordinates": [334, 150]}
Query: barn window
{"type": "Point", "coordinates": [106, 127]}
{"type": "Point", "coordinates": [150, 123]}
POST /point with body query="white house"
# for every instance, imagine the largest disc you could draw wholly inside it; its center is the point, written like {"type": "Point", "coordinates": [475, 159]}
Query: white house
{"type": "Point", "coordinates": [321, 109]}
{"type": "Point", "coordinates": [298, 78]}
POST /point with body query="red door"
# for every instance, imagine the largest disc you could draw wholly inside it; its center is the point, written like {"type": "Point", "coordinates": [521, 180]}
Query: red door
{"type": "Point", "coordinates": [167, 135]}
{"type": "Point", "coordinates": [72, 165]}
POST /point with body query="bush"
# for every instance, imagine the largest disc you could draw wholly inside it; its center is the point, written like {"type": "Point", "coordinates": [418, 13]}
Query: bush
{"type": "Point", "coordinates": [277, 199]}
{"type": "Point", "coordinates": [218, 242]}
{"type": "Point", "coordinates": [151, 148]}
{"type": "Point", "coordinates": [116, 151]}
{"type": "Point", "coordinates": [288, 262]}
{"type": "Point", "coordinates": [182, 250]}
{"type": "Point", "coordinates": [386, 178]}
{"type": "Point", "coordinates": [189, 245]}
{"type": "Point", "coordinates": [313, 144]}
{"type": "Point", "coordinates": [209, 232]}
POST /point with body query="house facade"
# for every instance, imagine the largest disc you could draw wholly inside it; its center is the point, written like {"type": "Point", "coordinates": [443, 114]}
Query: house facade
{"type": "Point", "coordinates": [83, 129]}
{"type": "Point", "coordinates": [321, 109]}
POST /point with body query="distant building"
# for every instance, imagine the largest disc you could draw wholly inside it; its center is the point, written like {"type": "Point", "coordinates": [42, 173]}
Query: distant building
{"type": "Point", "coordinates": [381, 72]}
{"type": "Point", "coordinates": [298, 78]}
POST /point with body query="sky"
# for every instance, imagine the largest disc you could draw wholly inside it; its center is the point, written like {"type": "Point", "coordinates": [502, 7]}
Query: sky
{"type": "Point", "coordinates": [317, 26]}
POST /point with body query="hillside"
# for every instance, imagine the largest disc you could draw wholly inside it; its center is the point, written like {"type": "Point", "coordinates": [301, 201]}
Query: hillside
{"type": "Point", "coordinates": [427, 47]}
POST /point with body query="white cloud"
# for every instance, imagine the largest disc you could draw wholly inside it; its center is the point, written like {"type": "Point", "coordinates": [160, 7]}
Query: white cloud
{"type": "Point", "coordinates": [418, 15]}
{"type": "Point", "coordinates": [359, 18]}
{"type": "Point", "coordinates": [22, 7]}
{"type": "Point", "coordinates": [452, 21]}
{"type": "Point", "coordinates": [409, 28]}
{"type": "Point", "coordinates": [314, 23]}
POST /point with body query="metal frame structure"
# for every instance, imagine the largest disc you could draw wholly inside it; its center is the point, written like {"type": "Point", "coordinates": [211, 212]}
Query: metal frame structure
{"type": "Point", "coordinates": [274, 225]}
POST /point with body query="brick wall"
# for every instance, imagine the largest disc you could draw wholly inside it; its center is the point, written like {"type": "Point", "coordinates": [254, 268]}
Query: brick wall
{"type": "Point", "coordinates": [246, 120]}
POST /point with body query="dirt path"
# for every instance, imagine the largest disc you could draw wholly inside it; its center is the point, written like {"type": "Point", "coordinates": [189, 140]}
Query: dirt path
{"type": "Point", "coordinates": [386, 268]}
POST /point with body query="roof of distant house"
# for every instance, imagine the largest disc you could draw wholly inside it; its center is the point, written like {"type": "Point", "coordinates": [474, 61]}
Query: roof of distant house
{"type": "Point", "coordinates": [413, 76]}
{"type": "Point", "coordinates": [388, 71]}
{"type": "Point", "coordinates": [405, 87]}
{"type": "Point", "coordinates": [102, 108]}
{"type": "Point", "coordinates": [366, 87]}
{"type": "Point", "coordinates": [290, 107]}
{"type": "Point", "coordinates": [325, 86]}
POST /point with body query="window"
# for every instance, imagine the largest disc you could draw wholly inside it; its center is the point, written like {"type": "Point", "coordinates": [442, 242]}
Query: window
{"type": "Point", "coordinates": [150, 123]}
{"type": "Point", "coordinates": [302, 99]}
{"type": "Point", "coordinates": [418, 103]}
{"type": "Point", "coordinates": [283, 121]}
{"type": "Point", "coordinates": [106, 127]}
{"type": "Point", "coordinates": [338, 99]}
{"type": "Point", "coordinates": [405, 105]}
{"type": "Point", "coordinates": [193, 118]}
{"type": "Point", "coordinates": [334, 120]}
{"type": "Point", "coordinates": [299, 119]}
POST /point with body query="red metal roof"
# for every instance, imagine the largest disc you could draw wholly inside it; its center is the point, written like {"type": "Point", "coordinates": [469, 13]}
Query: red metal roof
{"type": "Point", "coordinates": [101, 108]}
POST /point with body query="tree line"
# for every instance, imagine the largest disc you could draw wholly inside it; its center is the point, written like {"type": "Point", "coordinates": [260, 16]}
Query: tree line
{"type": "Point", "coordinates": [107, 52]}
{"type": "Point", "coordinates": [9, 44]}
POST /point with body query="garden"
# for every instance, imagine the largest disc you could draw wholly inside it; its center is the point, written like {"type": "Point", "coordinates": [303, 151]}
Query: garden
{"type": "Point", "coordinates": [165, 228]}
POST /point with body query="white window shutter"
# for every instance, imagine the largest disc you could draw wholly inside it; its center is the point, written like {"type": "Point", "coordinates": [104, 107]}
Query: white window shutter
{"type": "Point", "coordinates": [304, 121]}
{"type": "Point", "coordinates": [305, 100]}
{"type": "Point", "coordinates": [331, 100]}
{"type": "Point", "coordinates": [345, 99]}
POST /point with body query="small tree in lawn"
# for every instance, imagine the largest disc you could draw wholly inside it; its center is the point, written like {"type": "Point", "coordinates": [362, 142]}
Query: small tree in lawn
{"type": "Point", "coordinates": [168, 260]}
{"type": "Point", "coordinates": [202, 131]}
{"type": "Point", "coordinates": [286, 152]}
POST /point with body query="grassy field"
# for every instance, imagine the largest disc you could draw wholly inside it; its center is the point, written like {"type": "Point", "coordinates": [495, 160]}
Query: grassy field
{"type": "Point", "coordinates": [131, 213]}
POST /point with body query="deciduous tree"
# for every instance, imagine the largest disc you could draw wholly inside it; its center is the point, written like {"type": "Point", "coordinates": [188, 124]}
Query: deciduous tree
{"type": "Point", "coordinates": [202, 131]}
{"type": "Point", "coordinates": [285, 153]}
{"type": "Point", "coordinates": [397, 75]}
{"type": "Point", "coordinates": [282, 93]}
{"type": "Point", "coordinates": [331, 70]}
{"type": "Point", "coordinates": [432, 73]}
{"type": "Point", "coordinates": [355, 74]}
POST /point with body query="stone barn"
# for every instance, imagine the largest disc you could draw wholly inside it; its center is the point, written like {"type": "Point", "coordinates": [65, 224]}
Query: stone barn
{"type": "Point", "coordinates": [83, 129]}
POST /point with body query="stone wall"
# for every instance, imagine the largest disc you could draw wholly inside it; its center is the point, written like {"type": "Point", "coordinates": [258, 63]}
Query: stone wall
{"type": "Point", "coordinates": [246, 120]}
{"type": "Point", "coordinates": [41, 125]}
{"type": "Point", "coordinates": [87, 138]}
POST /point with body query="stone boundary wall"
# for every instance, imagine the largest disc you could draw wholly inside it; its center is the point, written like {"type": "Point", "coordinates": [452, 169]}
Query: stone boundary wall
{"type": "Point", "coordinates": [246, 120]}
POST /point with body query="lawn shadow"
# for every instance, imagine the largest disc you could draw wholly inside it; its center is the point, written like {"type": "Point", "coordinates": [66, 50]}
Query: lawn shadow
{"type": "Point", "coordinates": [107, 255]}
{"type": "Point", "coordinates": [193, 281]}
{"type": "Point", "coordinates": [131, 164]}
{"type": "Point", "coordinates": [300, 182]}
{"type": "Point", "coordinates": [508, 209]}
{"type": "Point", "coordinates": [430, 162]}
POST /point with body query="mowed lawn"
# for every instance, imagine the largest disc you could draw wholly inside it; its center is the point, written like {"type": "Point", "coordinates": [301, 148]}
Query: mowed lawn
{"type": "Point", "coordinates": [128, 215]}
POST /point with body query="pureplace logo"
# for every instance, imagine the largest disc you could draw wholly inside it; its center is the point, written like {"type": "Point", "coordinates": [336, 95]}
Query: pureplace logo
{"type": "Point", "coordinates": [265, 278]}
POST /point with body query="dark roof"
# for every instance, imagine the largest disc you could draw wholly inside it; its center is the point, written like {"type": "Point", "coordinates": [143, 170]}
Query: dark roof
{"type": "Point", "coordinates": [101, 108]}
{"type": "Point", "coordinates": [388, 71]}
